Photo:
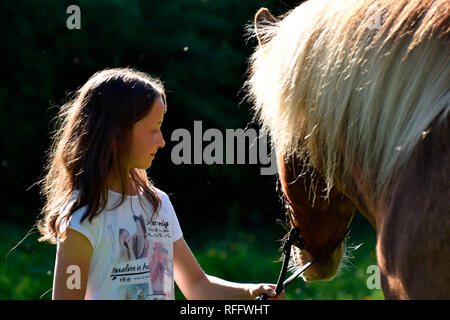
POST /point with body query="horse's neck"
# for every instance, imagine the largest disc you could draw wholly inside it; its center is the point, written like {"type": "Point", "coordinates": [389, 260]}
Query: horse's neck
{"type": "Point", "coordinates": [413, 222]}
{"type": "Point", "coordinates": [359, 193]}
{"type": "Point", "coordinates": [424, 181]}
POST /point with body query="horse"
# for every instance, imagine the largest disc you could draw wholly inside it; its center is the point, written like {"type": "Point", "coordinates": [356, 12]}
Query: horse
{"type": "Point", "coordinates": [355, 98]}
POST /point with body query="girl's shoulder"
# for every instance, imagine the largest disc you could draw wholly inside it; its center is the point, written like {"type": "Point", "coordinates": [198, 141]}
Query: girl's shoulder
{"type": "Point", "coordinates": [168, 212]}
{"type": "Point", "coordinates": [166, 204]}
{"type": "Point", "coordinates": [77, 215]}
{"type": "Point", "coordinates": [68, 205]}
{"type": "Point", "coordinates": [91, 228]}
{"type": "Point", "coordinates": [161, 193]}
{"type": "Point", "coordinates": [80, 211]}
{"type": "Point", "coordinates": [165, 199]}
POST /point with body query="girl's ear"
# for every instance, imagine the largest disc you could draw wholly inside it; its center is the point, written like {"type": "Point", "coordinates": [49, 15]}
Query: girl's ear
{"type": "Point", "coordinates": [263, 17]}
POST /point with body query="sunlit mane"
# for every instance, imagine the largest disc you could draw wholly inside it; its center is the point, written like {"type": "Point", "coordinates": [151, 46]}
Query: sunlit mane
{"type": "Point", "coordinates": [331, 82]}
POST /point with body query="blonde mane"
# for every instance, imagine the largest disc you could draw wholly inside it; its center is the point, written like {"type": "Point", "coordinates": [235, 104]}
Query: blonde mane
{"type": "Point", "coordinates": [348, 93]}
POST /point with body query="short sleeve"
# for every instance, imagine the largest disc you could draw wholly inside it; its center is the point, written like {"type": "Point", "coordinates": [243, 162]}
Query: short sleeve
{"type": "Point", "coordinates": [89, 229]}
{"type": "Point", "coordinates": [177, 233]}
{"type": "Point", "coordinates": [176, 229]}
{"type": "Point", "coordinates": [86, 228]}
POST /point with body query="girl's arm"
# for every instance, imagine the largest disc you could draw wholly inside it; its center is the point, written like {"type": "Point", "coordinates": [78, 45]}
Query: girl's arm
{"type": "Point", "coordinates": [73, 257]}
{"type": "Point", "coordinates": [196, 284]}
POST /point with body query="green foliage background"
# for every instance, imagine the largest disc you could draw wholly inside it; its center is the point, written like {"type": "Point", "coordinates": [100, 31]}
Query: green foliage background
{"type": "Point", "coordinates": [200, 51]}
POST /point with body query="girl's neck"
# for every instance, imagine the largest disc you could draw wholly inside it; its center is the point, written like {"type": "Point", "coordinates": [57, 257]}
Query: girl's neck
{"type": "Point", "coordinates": [114, 185]}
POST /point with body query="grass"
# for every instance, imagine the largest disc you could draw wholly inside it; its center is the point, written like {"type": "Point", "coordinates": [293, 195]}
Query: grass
{"type": "Point", "coordinates": [27, 271]}
{"type": "Point", "coordinates": [251, 257]}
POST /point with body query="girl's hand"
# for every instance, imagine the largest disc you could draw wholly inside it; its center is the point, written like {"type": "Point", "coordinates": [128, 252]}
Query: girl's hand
{"type": "Point", "coordinates": [269, 289]}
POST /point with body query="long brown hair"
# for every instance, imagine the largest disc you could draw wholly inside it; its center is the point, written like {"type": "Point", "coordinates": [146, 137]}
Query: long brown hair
{"type": "Point", "coordinates": [93, 137]}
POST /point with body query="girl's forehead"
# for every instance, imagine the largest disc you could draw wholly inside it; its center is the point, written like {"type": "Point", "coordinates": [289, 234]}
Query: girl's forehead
{"type": "Point", "coordinates": [156, 114]}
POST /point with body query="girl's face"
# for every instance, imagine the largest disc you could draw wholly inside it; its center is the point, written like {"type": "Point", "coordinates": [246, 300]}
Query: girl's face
{"type": "Point", "coordinates": [147, 137]}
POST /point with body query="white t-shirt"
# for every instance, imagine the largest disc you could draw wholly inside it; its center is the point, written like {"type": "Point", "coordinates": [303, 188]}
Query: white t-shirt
{"type": "Point", "coordinates": [132, 254]}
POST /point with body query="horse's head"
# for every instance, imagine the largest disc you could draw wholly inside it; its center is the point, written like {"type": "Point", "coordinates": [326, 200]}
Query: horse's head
{"type": "Point", "coordinates": [322, 223]}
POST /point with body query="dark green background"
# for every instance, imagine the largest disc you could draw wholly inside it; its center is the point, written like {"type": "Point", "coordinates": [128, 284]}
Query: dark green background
{"type": "Point", "coordinates": [200, 51]}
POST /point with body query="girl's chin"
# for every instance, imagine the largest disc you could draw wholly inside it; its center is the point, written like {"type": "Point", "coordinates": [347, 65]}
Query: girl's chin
{"type": "Point", "coordinates": [145, 166]}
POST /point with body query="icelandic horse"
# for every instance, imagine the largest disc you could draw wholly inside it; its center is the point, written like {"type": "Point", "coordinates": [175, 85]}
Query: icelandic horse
{"type": "Point", "coordinates": [355, 97]}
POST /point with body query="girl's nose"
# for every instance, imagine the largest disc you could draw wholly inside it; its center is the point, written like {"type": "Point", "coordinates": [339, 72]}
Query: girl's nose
{"type": "Point", "coordinates": [161, 143]}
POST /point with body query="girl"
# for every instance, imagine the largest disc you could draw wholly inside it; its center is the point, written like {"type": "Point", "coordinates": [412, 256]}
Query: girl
{"type": "Point", "coordinates": [97, 191]}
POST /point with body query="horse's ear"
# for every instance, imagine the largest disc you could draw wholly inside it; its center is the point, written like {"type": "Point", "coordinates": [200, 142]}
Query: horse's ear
{"type": "Point", "coordinates": [263, 17]}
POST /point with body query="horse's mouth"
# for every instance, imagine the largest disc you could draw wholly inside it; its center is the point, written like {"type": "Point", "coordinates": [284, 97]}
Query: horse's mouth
{"type": "Point", "coordinates": [324, 268]}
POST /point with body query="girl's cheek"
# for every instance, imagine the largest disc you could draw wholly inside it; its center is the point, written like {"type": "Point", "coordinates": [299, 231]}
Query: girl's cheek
{"type": "Point", "coordinates": [154, 140]}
